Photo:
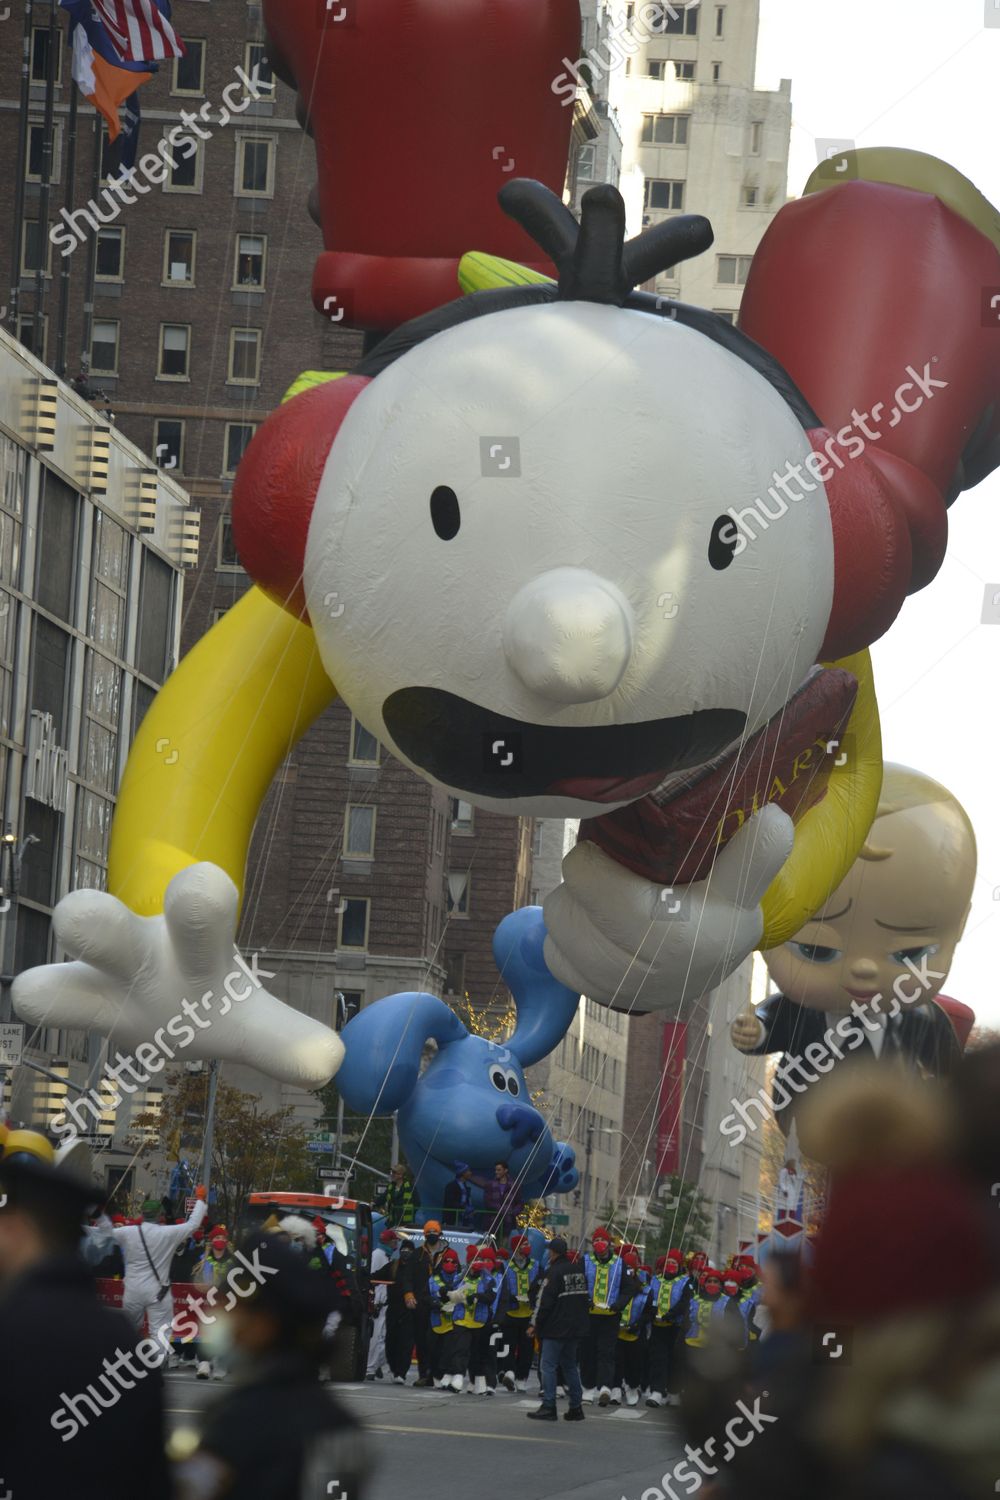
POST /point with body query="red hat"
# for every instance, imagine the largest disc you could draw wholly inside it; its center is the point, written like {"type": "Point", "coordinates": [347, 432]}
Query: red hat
{"type": "Point", "coordinates": [661, 1261]}
{"type": "Point", "coordinates": [899, 1208]}
{"type": "Point", "coordinates": [631, 1259]}
{"type": "Point", "coordinates": [711, 1274]}
{"type": "Point", "coordinates": [118, 1219]}
{"type": "Point", "coordinates": [198, 1234]}
{"type": "Point", "coordinates": [600, 1236]}
{"type": "Point", "coordinates": [501, 1253]}
{"type": "Point", "coordinates": [624, 1249]}
{"type": "Point", "coordinates": [388, 1237]}
{"type": "Point", "coordinates": [677, 1255]}
{"type": "Point", "coordinates": [731, 1283]}
{"type": "Point", "coordinates": [450, 1257]}
{"type": "Point", "coordinates": [520, 1242]}
{"type": "Point", "coordinates": [470, 1251]}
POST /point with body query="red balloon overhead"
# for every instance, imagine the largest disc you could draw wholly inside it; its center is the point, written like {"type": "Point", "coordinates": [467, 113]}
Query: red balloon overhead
{"type": "Point", "coordinates": [421, 110]}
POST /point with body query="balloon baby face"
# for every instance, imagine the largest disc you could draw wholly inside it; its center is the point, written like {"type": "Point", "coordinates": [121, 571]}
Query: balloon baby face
{"type": "Point", "coordinates": [522, 529]}
{"type": "Point", "coordinates": [904, 902]}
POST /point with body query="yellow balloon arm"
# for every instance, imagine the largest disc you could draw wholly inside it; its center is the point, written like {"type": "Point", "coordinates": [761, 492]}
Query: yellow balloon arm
{"type": "Point", "coordinates": [829, 836]}
{"type": "Point", "coordinates": [209, 748]}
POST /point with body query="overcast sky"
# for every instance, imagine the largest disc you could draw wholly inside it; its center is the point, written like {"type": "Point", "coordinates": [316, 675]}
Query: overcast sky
{"type": "Point", "coordinates": [924, 75]}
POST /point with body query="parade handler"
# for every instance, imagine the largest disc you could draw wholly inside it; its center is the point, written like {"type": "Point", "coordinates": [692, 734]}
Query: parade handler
{"type": "Point", "coordinates": [147, 1250]}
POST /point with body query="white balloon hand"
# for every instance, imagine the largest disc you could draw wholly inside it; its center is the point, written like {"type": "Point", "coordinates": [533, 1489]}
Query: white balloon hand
{"type": "Point", "coordinates": [623, 940]}
{"type": "Point", "coordinates": [177, 982]}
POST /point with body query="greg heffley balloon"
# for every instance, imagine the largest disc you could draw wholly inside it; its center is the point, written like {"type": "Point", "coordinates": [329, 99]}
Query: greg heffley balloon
{"type": "Point", "coordinates": [568, 549]}
{"type": "Point", "coordinates": [862, 977]}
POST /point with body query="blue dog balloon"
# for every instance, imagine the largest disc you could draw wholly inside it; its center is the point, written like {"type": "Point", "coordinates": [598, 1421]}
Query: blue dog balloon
{"type": "Point", "coordinates": [471, 1103]}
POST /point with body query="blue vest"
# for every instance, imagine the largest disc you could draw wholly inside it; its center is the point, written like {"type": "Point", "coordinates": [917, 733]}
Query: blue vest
{"type": "Point", "coordinates": [614, 1269]}
{"type": "Point", "coordinates": [439, 1286]}
{"type": "Point", "coordinates": [480, 1300]}
{"type": "Point", "coordinates": [634, 1313]}
{"type": "Point", "coordinates": [677, 1285]}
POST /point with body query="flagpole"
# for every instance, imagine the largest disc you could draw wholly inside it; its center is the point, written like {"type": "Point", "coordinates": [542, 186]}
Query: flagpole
{"type": "Point", "coordinates": [71, 132]}
{"type": "Point", "coordinates": [21, 170]}
{"type": "Point", "coordinates": [47, 153]}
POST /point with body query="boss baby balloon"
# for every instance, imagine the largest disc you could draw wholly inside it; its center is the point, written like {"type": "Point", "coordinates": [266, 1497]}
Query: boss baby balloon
{"type": "Point", "coordinates": [862, 977]}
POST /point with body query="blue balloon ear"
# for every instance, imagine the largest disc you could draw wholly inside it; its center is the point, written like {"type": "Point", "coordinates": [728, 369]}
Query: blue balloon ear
{"type": "Point", "coordinates": [545, 1008]}
{"type": "Point", "coordinates": [383, 1046]}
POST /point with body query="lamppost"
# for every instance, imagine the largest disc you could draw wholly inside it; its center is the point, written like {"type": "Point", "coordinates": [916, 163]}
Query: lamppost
{"type": "Point", "coordinates": [588, 1147]}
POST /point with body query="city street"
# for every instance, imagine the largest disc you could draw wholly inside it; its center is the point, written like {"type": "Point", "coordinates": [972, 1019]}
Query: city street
{"type": "Point", "coordinates": [431, 1445]}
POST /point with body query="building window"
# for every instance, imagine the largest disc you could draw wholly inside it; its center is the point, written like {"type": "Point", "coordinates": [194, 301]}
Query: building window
{"type": "Point", "coordinates": [665, 130]}
{"type": "Point", "coordinates": [725, 313]}
{"type": "Point", "coordinates": [228, 560]}
{"type": "Point", "coordinates": [656, 67]}
{"type": "Point", "coordinates": [186, 162]}
{"type": "Point", "coordinates": [189, 70]}
{"type": "Point", "coordinates": [238, 435]}
{"type": "Point", "coordinates": [684, 72]}
{"type": "Point", "coordinates": [359, 831]}
{"type": "Point", "coordinates": [682, 22]}
{"type": "Point", "coordinates": [30, 335]}
{"type": "Point", "coordinates": [244, 356]}
{"type": "Point", "coordinates": [175, 348]}
{"type": "Point", "coordinates": [733, 270]}
{"type": "Point", "coordinates": [364, 746]}
{"type": "Point", "coordinates": [251, 252]}
{"type": "Point", "coordinates": [40, 56]}
{"type": "Point", "coordinates": [178, 257]}
{"type": "Point", "coordinates": [257, 66]}
{"type": "Point", "coordinates": [663, 194]}
{"type": "Point", "coordinates": [35, 152]}
{"type": "Point", "coordinates": [586, 161]}
{"type": "Point", "coordinates": [720, 20]}
{"type": "Point", "coordinates": [454, 974]}
{"type": "Point", "coordinates": [716, 72]}
{"type": "Point", "coordinates": [458, 893]}
{"type": "Point", "coordinates": [354, 924]}
{"type": "Point", "coordinates": [750, 197]}
{"type": "Point", "coordinates": [461, 815]}
{"type": "Point", "coordinates": [110, 255]}
{"type": "Point", "coordinates": [254, 166]}
{"type": "Point", "coordinates": [218, 613]}
{"type": "Point", "coordinates": [168, 443]}
{"type": "Point", "coordinates": [31, 250]}
{"type": "Point", "coordinates": [756, 137]}
{"type": "Point", "coordinates": [104, 347]}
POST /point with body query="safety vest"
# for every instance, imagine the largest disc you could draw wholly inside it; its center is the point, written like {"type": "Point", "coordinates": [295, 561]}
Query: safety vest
{"type": "Point", "coordinates": [518, 1280]}
{"type": "Point", "coordinates": [604, 1279]}
{"type": "Point", "coordinates": [442, 1319]}
{"type": "Point", "coordinates": [666, 1297]}
{"type": "Point", "coordinates": [703, 1313]}
{"type": "Point", "coordinates": [633, 1315]}
{"type": "Point", "coordinates": [479, 1302]}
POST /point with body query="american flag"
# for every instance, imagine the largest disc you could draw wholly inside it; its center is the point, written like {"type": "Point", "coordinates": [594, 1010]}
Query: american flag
{"type": "Point", "coordinates": [140, 29]}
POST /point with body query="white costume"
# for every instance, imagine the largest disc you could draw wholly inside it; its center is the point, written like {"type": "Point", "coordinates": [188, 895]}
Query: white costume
{"type": "Point", "coordinates": [143, 1281]}
{"type": "Point", "coordinates": [376, 1349]}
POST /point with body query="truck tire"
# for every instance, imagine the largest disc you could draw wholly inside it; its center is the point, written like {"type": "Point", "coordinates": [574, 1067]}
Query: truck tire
{"type": "Point", "coordinates": [349, 1359]}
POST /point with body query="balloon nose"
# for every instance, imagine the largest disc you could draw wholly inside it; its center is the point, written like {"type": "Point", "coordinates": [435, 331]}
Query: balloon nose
{"type": "Point", "coordinates": [568, 636]}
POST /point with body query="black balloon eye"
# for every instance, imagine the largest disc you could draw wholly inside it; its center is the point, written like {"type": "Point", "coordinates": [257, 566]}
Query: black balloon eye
{"type": "Point", "coordinates": [723, 542]}
{"type": "Point", "coordinates": [445, 514]}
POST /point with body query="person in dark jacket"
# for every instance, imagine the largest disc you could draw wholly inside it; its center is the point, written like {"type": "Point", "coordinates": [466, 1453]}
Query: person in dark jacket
{"type": "Point", "coordinates": [561, 1319]}
{"type": "Point", "coordinates": [277, 1434]}
{"type": "Point", "coordinates": [72, 1422]}
{"type": "Point", "coordinates": [418, 1298]}
{"type": "Point", "coordinates": [400, 1303]}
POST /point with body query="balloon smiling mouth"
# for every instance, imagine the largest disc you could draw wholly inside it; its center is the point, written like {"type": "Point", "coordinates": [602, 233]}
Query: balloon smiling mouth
{"type": "Point", "coordinates": [481, 752]}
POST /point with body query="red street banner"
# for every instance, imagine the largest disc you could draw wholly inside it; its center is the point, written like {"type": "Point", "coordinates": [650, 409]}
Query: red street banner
{"type": "Point", "coordinates": [668, 1134]}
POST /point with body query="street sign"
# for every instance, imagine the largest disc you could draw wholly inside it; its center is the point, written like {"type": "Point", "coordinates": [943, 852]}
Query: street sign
{"type": "Point", "coordinates": [335, 1177]}
{"type": "Point", "coordinates": [315, 1137]}
{"type": "Point", "coordinates": [320, 1146]}
{"type": "Point", "coordinates": [11, 1044]}
{"type": "Point", "coordinates": [98, 1142]}
{"type": "Point", "coordinates": [558, 1218]}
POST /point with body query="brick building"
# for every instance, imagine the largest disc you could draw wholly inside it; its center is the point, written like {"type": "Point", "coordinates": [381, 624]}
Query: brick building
{"type": "Point", "coordinates": [201, 318]}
